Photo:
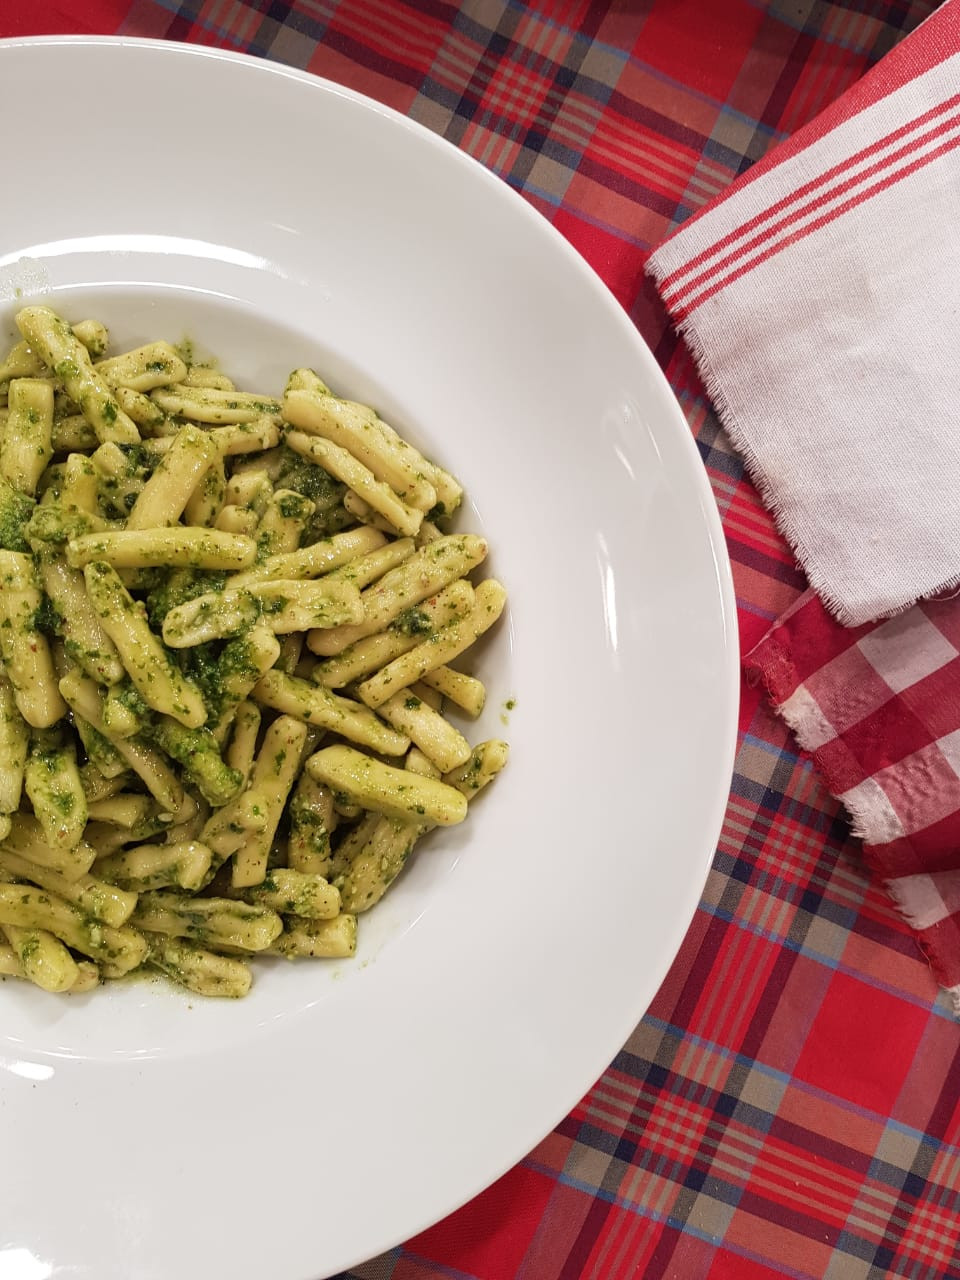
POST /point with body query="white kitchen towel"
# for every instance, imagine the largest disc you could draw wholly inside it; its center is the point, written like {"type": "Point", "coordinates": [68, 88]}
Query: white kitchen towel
{"type": "Point", "coordinates": [820, 296]}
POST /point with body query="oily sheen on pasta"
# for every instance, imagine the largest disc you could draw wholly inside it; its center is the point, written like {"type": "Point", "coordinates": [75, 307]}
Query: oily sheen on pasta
{"type": "Point", "coordinates": [226, 627]}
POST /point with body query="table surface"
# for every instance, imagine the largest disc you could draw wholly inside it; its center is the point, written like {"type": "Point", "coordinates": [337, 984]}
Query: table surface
{"type": "Point", "coordinates": [789, 1105]}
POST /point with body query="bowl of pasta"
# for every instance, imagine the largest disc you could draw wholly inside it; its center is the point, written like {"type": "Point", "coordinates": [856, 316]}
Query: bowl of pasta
{"type": "Point", "coordinates": [367, 673]}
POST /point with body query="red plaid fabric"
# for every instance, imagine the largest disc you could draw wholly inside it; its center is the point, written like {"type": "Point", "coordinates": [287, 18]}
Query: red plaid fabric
{"type": "Point", "coordinates": [790, 1105]}
{"type": "Point", "coordinates": [878, 707]}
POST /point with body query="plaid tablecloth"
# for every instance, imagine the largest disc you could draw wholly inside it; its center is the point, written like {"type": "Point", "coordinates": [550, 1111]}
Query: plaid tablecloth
{"type": "Point", "coordinates": [790, 1106]}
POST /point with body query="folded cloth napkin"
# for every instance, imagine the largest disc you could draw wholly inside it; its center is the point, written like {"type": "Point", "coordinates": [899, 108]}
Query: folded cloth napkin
{"type": "Point", "coordinates": [878, 707]}
{"type": "Point", "coordinates": [817, 297]}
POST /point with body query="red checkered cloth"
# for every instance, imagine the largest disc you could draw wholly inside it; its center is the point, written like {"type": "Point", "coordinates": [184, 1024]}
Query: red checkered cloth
{"type": "Point", "coordinates": [790, 1105]}
{"type": "Point", "coordinates": [878, 707]}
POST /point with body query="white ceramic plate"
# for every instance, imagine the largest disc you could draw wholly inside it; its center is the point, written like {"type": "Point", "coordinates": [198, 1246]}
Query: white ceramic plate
{"type": "Point", "coordinates": [282, 220]}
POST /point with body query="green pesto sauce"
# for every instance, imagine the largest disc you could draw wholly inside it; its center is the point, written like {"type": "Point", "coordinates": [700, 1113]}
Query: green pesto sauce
{"type": "Point", "coordinates": [47, 618]}
{"type": "Point", "coordinates": [16, 510]}
{"type": "Point", "coordinates": [177, 588]}
{"type": "Point", "coordinates": [215, 667]}
{"type": "Point", "coordinates": [413, 622]}
{"type": "Point", "coordinates": [326, 493]}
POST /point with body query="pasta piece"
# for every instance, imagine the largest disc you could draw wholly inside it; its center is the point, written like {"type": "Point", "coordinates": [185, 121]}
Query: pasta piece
{"type": "Point", "coordinates": [84, 638]}
{"type": "Point", "coordinates": [9, 963]}
{"type": "Point", "coordinates": [14, 741]}
{"type": "Point", "coordinates": [243, 742]}
{"type": "Point", "coordinates": [166, 493]}
{"type": "Point", "coordinates": [96, 787]}
{"type": "Point", "coordinates": [420, 576]}
{"type": "Point", "coordinates": [44, 959]}
{"type": "Point", "coordinates": [446, 644]}
{"type": "Point", "coordinates": [119, 718]}
{"type": "Point", "coordinates": [159, 779]}
{"type": "Point", "coordinates": [88, 975]}
{"type": "Point", "coordinates": [417, 762]}
{"type": "Point", "coordinates": [338, 462]}
{"type": "Point", "coordinates": [86, 703]}
{"type": "Point", "coordinates": [27, 838]}
{"type": "Point", "coordinates": [431, 697]}
{"type": "Point", "coordinates": [52, 781]}
{"type": "Point", "coordinates": [93, 896]}
{"type": "Point", "coordinates": [211, 921]}
{"type": "Point", "coordinates": [396, 793]}
{"type": "Point", "coordinates": [157, 680]}
{"type": "Point", "coordinates": [316, 705]}
{"type": "Point", "coordinates": [273, 775]}
{"type": "Point", "coordinates": [120, 810]}
{"type": "Point", "coordinates": [242, 663]}
{"type": "Point", "coordinates": [29, 908]}
{"type": "Point", "coordinates": [465, 691]}
{"type": "Point", "coordinates": [378, 863]}
{"type": "Point", "coordinates": [439, 741]}
{"type": "Point", "coordinates": [317, 559]}
{"type": "Point", "coordinates": [199, 376]}
{"type": "Point", "coordinates": [404, 633]}
{"type": "Point", "coordinates": [179, 547]}
{"type": "Point", "coordinates": [306, 380]}
{"type": "Point", "coordinates": [350, 845]}
{"type": "Point", "coordinates": [358, 429]}
{"type": "Point", "coordinates": [429, 532]}
{"type": "Point", "coordinates": [291, 649]}
{"type": "Point", "coordinates": [234, 519]}
{"type": "Point", "coordinates": [484, 764]}
{"type": "Point", "coordinates": [366, 569]}
{"type": "Point", "coordinates": [94, 336]}
{"type": "Point", "coordinates": [148, 416]}
{"type": "Point", "coordinates": [26, 446]}
{"type": "Point", "coordinates": [229, 828]}
{"type": "Point", "coordinates": [155, 365]}
{"type": "Point", "coordinates": [206, 404]}
{"type": "Point", "coordinates": [182, 863]}
{"type": "Point", "coordinates": [101, 753]}
{"type": "Point", "coordinates": [284, 606]}
{"type": "Point", "coordinates": [200, 971]}
{"type": "Point", "coordinates": [52, 339]}
{"type": "Point", "coordinates": [311, 824]}
{"type": "Point", "coordinates": [88, 978]}
{"type": "Point", "coordinates": [206, 501]}
{"type": "Point", "coordinates": [295, 892]}
{"type": "Point", "coordinates": [384, 850]}
{"type": "Point", "coordinates": [107, 839]}
{"type": "Point", "coordinates": [245, 437]}
{"type": "Point", "coordinates": [190, 828]}
{"type": "Point", "coordinates": [251, 489]}
{"type": "Point", "coordinates": [73, 432]}
{"type": "Point", "coordinates": [198, 754]}
{"type": "Point", "coordinates": [79, 488]}
{"type": "Point", "coordinates": [319, 939]}
{"type": "Point", "coordinates": [284, 519]}
{"type": "Point", "coordinates": [25, 651]}
{"type": "Point", "coordinates": [21, 361]}
{"type": "Point", "coordinates": [19, 516]}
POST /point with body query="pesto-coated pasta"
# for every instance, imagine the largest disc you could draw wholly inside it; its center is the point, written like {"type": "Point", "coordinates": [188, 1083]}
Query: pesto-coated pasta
{"type": "Point", "coordinates": [225, 623]}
